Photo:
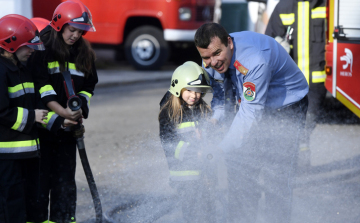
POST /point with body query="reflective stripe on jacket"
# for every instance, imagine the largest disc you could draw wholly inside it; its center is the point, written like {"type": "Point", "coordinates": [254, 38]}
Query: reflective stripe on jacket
{"type": "Point", "coordinates": [179, 144]}
{"type": "Point", "coordinates": [307, 19]}
{"type": "Point", "coordinates": [18, 132]}
{"type": "Point", "coordinates": [50, 83]}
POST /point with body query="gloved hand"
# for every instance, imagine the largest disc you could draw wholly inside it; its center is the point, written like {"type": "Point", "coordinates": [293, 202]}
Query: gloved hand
{"type": "Point", "coordinates": [283, 43]}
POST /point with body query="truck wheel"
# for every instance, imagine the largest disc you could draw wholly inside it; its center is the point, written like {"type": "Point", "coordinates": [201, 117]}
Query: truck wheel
{"type": "Point", "coordinates": [146, 49]}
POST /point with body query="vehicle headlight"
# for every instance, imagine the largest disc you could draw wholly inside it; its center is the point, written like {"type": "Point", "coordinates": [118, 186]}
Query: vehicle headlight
{"type": "Point", "coordinates": [184, 14]}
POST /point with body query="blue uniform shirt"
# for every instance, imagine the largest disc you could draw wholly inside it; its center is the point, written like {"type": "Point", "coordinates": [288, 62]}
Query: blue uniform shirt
{"type": "Point", "coordinates": [220, 85]}
{"type": "Point", "coordinates": [269, 79]}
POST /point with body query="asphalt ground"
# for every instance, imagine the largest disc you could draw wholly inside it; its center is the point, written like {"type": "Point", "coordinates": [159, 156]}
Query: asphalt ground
{"type": "Point", "coordinates": [129, 165]}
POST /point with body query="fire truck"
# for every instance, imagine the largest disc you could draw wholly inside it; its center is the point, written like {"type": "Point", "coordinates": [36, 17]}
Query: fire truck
{"type": "Point", "coordinates": [146, 31]}
{"type": "Point", "coordinates": [343, 52]}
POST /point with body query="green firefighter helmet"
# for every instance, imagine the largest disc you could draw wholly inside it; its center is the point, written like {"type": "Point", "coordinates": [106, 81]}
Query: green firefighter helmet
{"type": "Point", "coordinates": [191, 77]}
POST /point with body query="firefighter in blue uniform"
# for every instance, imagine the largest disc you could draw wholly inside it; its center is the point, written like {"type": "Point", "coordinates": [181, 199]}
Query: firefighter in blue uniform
{"type": "Point", "coordinates": [19, 140]}
{"type": "Point", "coordinates": [264, 133]}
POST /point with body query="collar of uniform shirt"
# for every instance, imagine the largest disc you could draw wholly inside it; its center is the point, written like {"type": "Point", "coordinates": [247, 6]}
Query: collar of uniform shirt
{"type": "Point", "coordinates": [231, 66]}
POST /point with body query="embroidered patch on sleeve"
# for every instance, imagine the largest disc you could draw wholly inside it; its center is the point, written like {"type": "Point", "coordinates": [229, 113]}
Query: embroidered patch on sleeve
{"type": "Point", "coordinates": [249, 91]}
{"type": "Point", "coordinates": [240, 67]}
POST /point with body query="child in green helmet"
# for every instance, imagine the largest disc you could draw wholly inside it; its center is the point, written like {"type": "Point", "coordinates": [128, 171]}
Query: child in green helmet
{"type": "Point", "coordinates": [183, 111]}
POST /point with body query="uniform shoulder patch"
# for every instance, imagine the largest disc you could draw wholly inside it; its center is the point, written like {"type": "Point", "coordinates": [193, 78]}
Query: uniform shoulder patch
{"type": "Point", "coordinates": [249, 91]}
{"type": "Point", "coordinates": [240, 67]}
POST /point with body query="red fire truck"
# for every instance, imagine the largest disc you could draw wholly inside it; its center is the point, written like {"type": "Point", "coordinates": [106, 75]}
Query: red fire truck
{"type": "Point", "coordinates": [343, 52]}
{"type": "Point", "coordinates": [145, 29]}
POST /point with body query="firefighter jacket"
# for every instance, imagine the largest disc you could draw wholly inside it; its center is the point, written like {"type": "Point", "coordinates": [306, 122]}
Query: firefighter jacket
{"type": "Point", "coordinates": [180, 143]}
{"type": "Point", "coordinates": [305, 20]}
{"type": "Point", "coordinates": [18, 132]}
{"type": "Point", "coordinates": [50, 83]}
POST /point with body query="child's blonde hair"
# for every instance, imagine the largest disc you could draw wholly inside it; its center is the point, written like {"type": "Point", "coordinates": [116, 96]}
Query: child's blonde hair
{"type": "Point", "coordinates": [176, 105]}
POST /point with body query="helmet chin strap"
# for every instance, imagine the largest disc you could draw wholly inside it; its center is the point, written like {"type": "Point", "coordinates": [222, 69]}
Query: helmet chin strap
{"type": "Point", "coordinates": [17, 61]}
{"type": "Point", "coordinates": [16, 58]}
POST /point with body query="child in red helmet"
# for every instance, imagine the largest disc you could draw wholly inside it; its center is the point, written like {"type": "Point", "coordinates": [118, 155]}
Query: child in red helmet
{"type": "Point", "coordinates": [66, 50]}
{"type": "Point", "coordinates": [19, 140]}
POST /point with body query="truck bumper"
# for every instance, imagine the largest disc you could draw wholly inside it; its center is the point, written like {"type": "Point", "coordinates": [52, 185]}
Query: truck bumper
{"type": "Point", "coordinates": [179, 35]}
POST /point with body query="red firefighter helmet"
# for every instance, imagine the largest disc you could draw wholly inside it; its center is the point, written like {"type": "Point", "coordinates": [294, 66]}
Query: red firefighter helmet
{"type": "Point", "coordinates": [40, 23]}
{"type": "Point", "coordinates": [17, 31]}
{"type": "Point", "coordinates": [74, 13]}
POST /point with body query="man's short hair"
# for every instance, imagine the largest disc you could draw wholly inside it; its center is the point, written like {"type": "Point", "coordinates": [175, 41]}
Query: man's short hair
{"type": "Point", "coordinates": [207, 32]}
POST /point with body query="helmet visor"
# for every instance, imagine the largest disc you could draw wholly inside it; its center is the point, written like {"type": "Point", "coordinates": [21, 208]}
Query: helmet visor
{"type": "Point", "coordinates": [200, 89]}
{"type": "Point", "coordinates": [83, 26]}
{"type": "Point", "coordinates": [36, 43]}
{"type": "Point", "coordinates": [84, 23]}
{"type": "Point", "coordinates": [39, 46]}
{"type": "Point", "coordinates": [200, 81]}
{"type": "Point", "coordinates": [200, 85]}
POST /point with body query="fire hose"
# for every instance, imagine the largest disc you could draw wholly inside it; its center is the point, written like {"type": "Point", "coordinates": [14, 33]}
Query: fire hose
{"type": "Point", "coordinates": [74, 103]}
{"type": "Point", "coordinates": [212, 161]}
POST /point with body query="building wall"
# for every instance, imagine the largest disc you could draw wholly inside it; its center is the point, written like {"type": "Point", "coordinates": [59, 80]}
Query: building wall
{"type": "Point", "coordinates": [22, 7]}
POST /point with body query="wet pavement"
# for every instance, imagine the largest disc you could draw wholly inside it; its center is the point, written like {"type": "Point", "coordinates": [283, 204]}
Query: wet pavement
{"type": "Point", "coordinates": [130, 168]}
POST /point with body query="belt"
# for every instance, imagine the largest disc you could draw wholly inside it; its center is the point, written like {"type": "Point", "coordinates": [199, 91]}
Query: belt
{"type": "Point", "coordinates": [299, 105]}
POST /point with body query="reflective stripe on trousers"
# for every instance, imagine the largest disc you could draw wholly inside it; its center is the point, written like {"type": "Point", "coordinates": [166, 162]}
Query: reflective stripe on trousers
{"type": "Point", "coordinates": [47, 221]}
{"type": "Point", "coordinates": [185, 175]}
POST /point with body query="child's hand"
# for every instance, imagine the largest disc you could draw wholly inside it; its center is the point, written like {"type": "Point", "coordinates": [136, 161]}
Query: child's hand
{"type": "Point", "coordinates": [68, 122]}
{"type": "Point", "coordinates": [40, 115]}
{"type": "Point", "coordinates": [72, 115]}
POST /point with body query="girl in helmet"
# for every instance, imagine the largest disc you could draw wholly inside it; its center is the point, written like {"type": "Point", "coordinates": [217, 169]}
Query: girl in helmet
{"type": "Point", "coordinates": [67, 54]}
{"type": "Point", "coordinates": [182, 113]}
{"type": "Point", "coordinates": [19, 141]}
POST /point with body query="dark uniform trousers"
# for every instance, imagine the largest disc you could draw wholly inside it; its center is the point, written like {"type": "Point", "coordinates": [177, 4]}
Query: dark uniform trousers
{"type": "Point", "coordinates": [307, 19]}
{"type": "Point", "coordinates": [270, 149]}
{"type": "Point", "coordinates": [57, 179]}
{"type": "Point", "coordinates": [317, 93]}
{"type": "Point", "coordinates": [12, 191]}
{"type": "Point", "coordinates": [195, 197]}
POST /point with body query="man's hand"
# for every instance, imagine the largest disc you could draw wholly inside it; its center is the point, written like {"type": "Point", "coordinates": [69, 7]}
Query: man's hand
{"type": "Point", "coordinates": [198, 133]}
{"type": "Point", "coordinates": [40, 115]}
{"type": "Point", "coordinates": [214, 121]}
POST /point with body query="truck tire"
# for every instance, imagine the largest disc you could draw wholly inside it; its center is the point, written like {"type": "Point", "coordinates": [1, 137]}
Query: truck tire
{"type": "Point", "coordinates": [146, 49]}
